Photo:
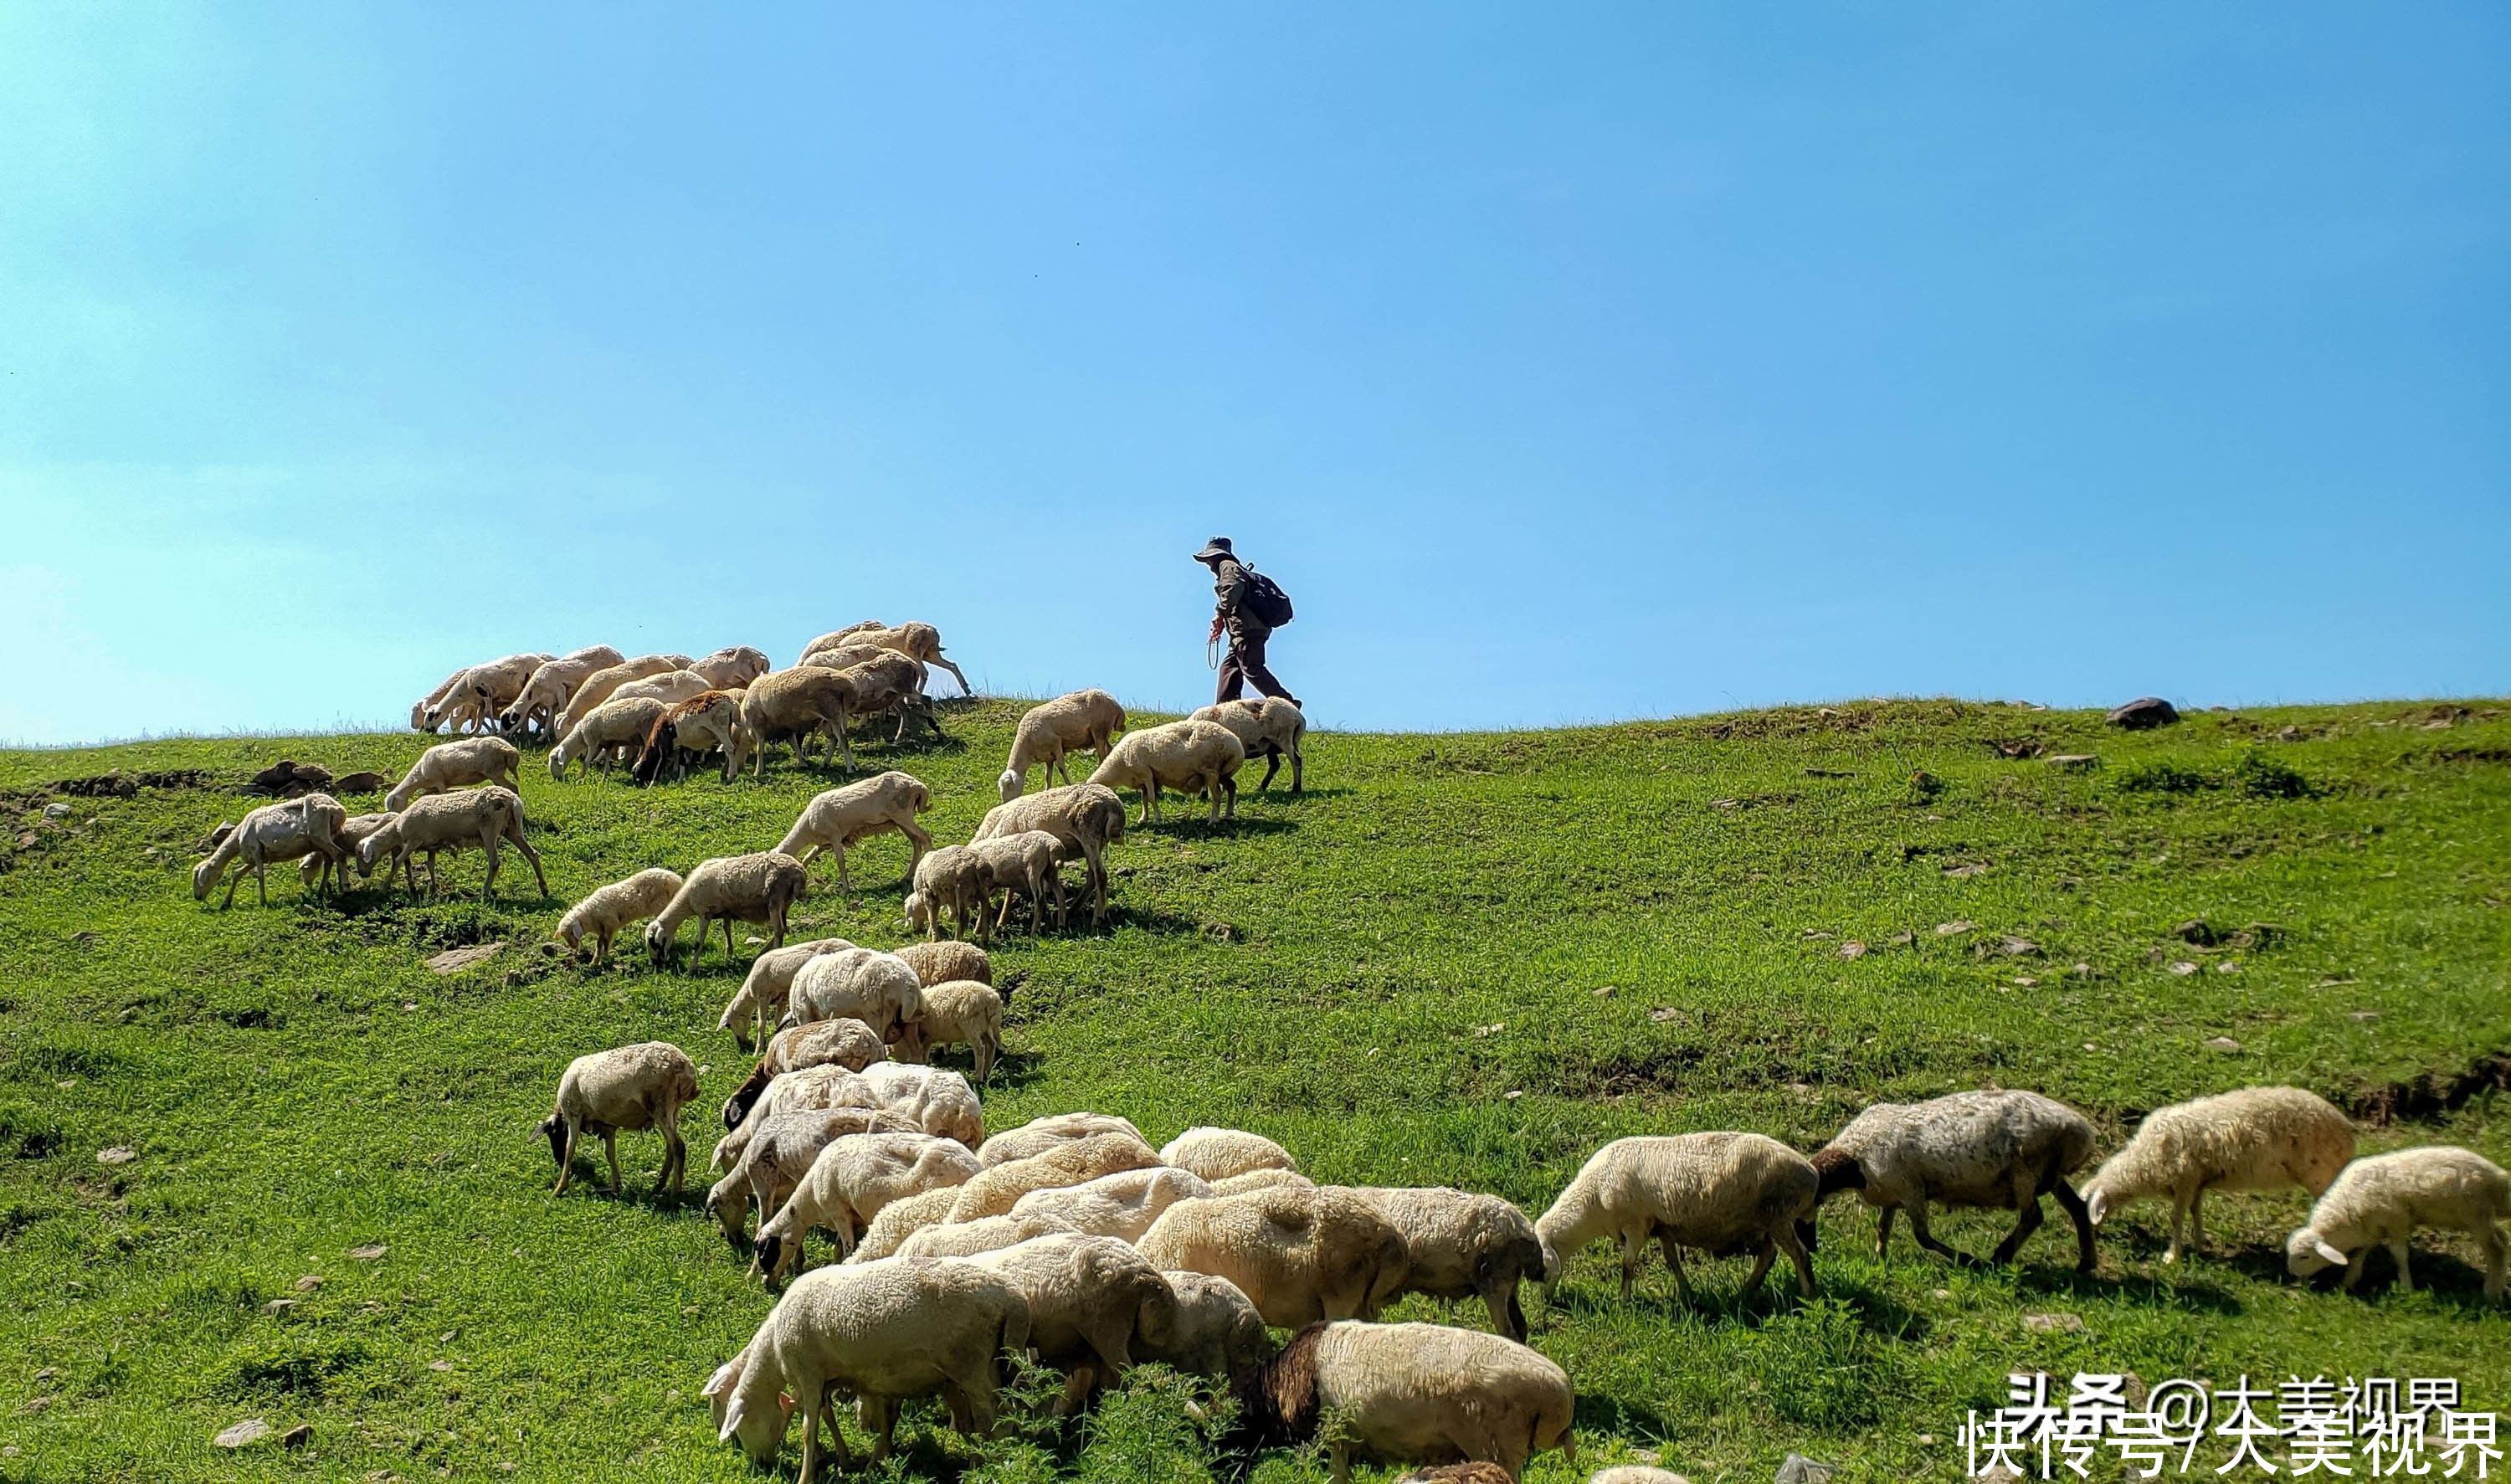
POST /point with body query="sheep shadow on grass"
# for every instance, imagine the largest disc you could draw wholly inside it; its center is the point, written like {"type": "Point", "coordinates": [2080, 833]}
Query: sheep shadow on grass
{"type": "Point", "coordinates": [1174, 827]}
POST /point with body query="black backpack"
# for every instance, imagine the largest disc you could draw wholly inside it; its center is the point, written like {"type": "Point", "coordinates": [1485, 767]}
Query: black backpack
{"type": "Point", "coordinates": [1264, 600]}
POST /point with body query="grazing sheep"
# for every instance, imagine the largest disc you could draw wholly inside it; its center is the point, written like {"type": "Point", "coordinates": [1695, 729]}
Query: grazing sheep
{"type": "Point", "coordinates": [1719, 1192]}
{"type": "Point", "coordinates": [998, 1189]}
{"type": "Point", "coordinates": [902, 1219]}
{"type": "Point", "coordinates": [613, 730]}
{"type": "Point", "coordinates": [1085, 818]}
{"type": "Point", "coordinates": [953, 879]}
{"type": "Point", "coordinates": [1089, 1299]}
{"type": "Point", "coordinates": [2383, 1198]}
{"type": "Point", "coordinates": [634, 1088]}
{"type": "Point", "coordinates": [1083, 720]}
{"type": "Point", "coordinates": [1458, 1245]}
{"type": "Point", "coordinates": [479, 693]}
{"type": "Point", "coordinates": [838, 637]}
{"type": "Point", "coordinates": [986, 1234]}
{"type": "Point", "coordinates": [2254, 1139]}
{"type": "Point", "coordinates": [850, 815]}
{"type": "Point", "coordinates": [1218, 1153]}
{"type": "Point", "coordinates": [455, 764]}
{"type": "Point", "coordinates": [553, 684]}
{"type": "Point", "coordinates": [760, 1001]}
{"type": "Point", "coordinates": [1218, 1331]}
{"type": "Point", "coordinates": [848, 1184]}
{"type": "Point", "coordinates": [422, 709]}
{"type": "Point", "coordinates": [918, 641]}
{"type": "Point", "coordinates": [731, 667]}
{"type": "Point", "coordinates": [757, 887]}
{"type": "Point", "coordinates": [313, 826]}
{"type": "Point", "coordinates": [885, 1332]}
{"type": "Point", "coordinates": [1301, 1255]}
{"type": "Point", "coordinates": [708, 722]}
{"type": "Point", "coordinates": [611, 908]}
{"type": "Point", "coordinates": [601, 683]}
{"type": "Point", "coordinates": [942, 1102]}
{"type": "Point", "coordinates": [949, 958]}
{"type": "Point", "coordinates": [1268, 727]}
{"type": "Point", "coordinates": [889, 684]}
{"type": "Point", "coordinates": [483, 819]}
{"type": "Point", "coordinates": [795, 705]}
{"type": "Point", "coordinates": [961, 1012]}
{"type": "Point", "coordinates": [1414, 1393]}
{"type": "Point", "coordinates": [863, 983]}
{"type": "Point", "coordinates": [1030, 862]}
{"type": "Point", "coordinates": [352, 833]}
{"type": "Point", "coordinates": [1999, 1150]}
{"type": "Point", "coordinates": [1039, 1135]}
{"type": "Point", "coordinates": [1122, 1205]}
{"type": "Point", "coordinates": [1263, 1179]}
{"type": "Point", "coordinates": [847, 1044]}
{"type": "Point", "coordinates": [782, 1152]}
{"type": "Point", "coordinates": [670, 688]}
{"type": "Point", "coordinates": [827, 1085]}
{"type": "Point", "coordinates": [1190, 757]}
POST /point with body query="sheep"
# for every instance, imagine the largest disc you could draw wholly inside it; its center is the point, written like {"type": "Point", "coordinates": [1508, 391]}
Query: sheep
{"type": "Point", "coordinates": [1089, 1299]}
{"type": "Point", "coordinates": [1719, 1192]}
{"type": "Point", "coordinates": [631, 1087]}
{"type": "Point", "coordinates": [918, 641]}
{"type": "Point", "coordinates": [764, 991]}
{"type": "Point", "coordinates": [455, 764]}
{"type": "Point", "coordinates": [986, 1234]}
{"type": "Point", "coordinates": [444, 823]}
{"type": "Point", "coordinates": [2383, 1198]}
{"type": "Point", "coordinates": [795, 704]}
{"type": "Point", "coordinates": [1081, 721]}
{"type": "Point", "coordinates": [847, 1044]}
{"type": "Point", "coordinates": [1414, 1393]}
{"type": "Point", "coordinates": [1301, 1255]}
{"type": "Point", "coordinates": [602, 914]}
{"type": "Point", "coordinates": [479, 693]}
{"type": "Point", "coordinates": [708, 722]}
{"type": "Point", "coordinates": [1122, 1205]}
{"type": "Point", "coordinates": [421, 709]}
{"type": "Point", "coordinates": [757, 887]}
{"type": "Point", "coordinates": [961, 1012]}
{"type": "Point", "coordinates": [998, 1189]}
{"type": "Point", "coordinates": [609, 731]}
{"type": "Point", "coordinates": [553, 684]}
{"type": "Point", "coordinates": [352, 833]}
{"type": "Point", "coordinates": [312, 826]}
{"type": "Point", "coordinates": [1032, 861]}
{"type": "Point", "coordinates": [1190, 757]}
{"type": "Point", "coordinates": [889, 683]}
{"type": "Point", "coordinates": [842, 656]}
{"type": "Point", "coordinates": [1085, 818]}
{"type": "Point", "coordinates": [941, 1102]}
{"type": "Point", "coordinates": [827, 1085]}
{"type": "Point", "coordinates": [839, 637]}
{"type": "Point", "coordinates": [878, 989]}
{"type": "Point", "coordinates": [848, 1184]}
{"type": "Point", "coordinates": [1268, 727]}
{"type": "Point", "coordinates": [670, 688]}
{"type": "Point", "coordinates": [1999, 1149]}
{"type": "Point", "coordinates": [1039, 1135]}
{"type": "Point", "coordinates": [953, 879]}
{"type": "Point", "coordinates": [781, 1153]}
{"type": "Point", "coordinates": [1263, 1179]}
{"type": "Point", "coordinates": [886, 1331]}
{"type": "Point", "coordinates": [1218, 1331]}
{"type": "Point", "coordinates": [1218, 1153]}
{"type": "Point", "coordinates": [732, 666]}
{"type": "Point", "coordinates": [949, 958]}
{"type": "Point", "coordinates": [1458, 1245]}
{"type": "Point", "coordinates": [599, 685]}
{"type": "Point", "coordinates": [2254, 1139]}
{"type": "Point", "coordinates": [902, 1219]}
{"type": "Point", "coordinates": [850, 815]}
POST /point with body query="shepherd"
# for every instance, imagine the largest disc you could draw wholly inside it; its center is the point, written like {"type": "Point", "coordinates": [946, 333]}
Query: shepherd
{"type": "Point", "coordinates": [1248, 607]}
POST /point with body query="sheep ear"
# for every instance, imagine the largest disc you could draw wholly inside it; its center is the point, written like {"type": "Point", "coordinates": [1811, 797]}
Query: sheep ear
{"type": "Point", "coordinates": [726, 1376]}
{"type": "Point", "coordinates": [732, 1415]}
{"type": "Point", "coordinates": [2333, 1256]}
{"type": "Point", "coordinates": [2099, 1207]}
{"type": "Point", "coordinates": [785, 1399]}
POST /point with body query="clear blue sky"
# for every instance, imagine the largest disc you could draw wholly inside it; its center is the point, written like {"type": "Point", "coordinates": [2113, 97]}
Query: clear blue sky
{"type": "Point", "coordinates": [1563, 361]}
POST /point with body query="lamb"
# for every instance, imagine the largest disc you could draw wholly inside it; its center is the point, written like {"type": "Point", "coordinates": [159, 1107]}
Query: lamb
{"type": "Point", "coordinates": [1300, 1255]}
{"type": "Point", "coordinates": [1039, 1135]}
{"type": "Point", "coordinates": [732, 666]}
{"type": "Point", "coordinates": [918, 641]}
{"type": "Point", "coordinates": [1270, 728]}
{"type": "Point", "coordinates": [1414, 1393]}
{"type": "Point", "coordinates": [765, 990]}
{"type": "Point", "coordinates": [1458, 1245]}
{"type": "Point", "coordinates": [1031, 861]}
{"type": "Point", "coordinates": [942, 1102]}
{"type": "Point", "coordinates": [552, 684]}
{"type": "Point", "coordinates": [850, 815]}
{"type": "Point", "coordinates": [633, 1087]}
{"type": "Point", "coordinates": [1122, 1205]}
{"type": "Point", "coordinates": [864, 984]}
{"type": "Point", "coordinates": [1218, 1153]}
{"type": "Point", "coordinates": [311, 825]}
{"type": "Point", "coordinates": [986, 1234]}
{"type": "Point", "coordinates": [1085, 818]}
{"type": "Point", "coordinates": [602, 914]}
{"type": "Point", "coordinates": [2254, 1139]}
{"type": "Point", "coordinates": [1218, 1331]}
{"type": "Point", "coordinates": [902, 1219]}
{"type": "Point", "coordinates": [884, 1330]}
{"type": "Point", "coordinates": [599, 685]}
{"type": "Point", "coordinates": [455, 764]}
{"type": "Point", "coordinates": [962, 1012]}
{"type": "Point", "coordinates": [352, 834]}
{"type": "Point", "coordinates": [1190, 757]}
{"type": "Point", "coordinates": [445, 823]}
{"type": "Point", "coordinates": [757, 887]}
{"type": "Point", "coordinates": [1263, 1179]}
{"type": "Point", "coordinates": [781, 1153]}
{"type": "Point", "coordinates": [998, 1189]}
{"type": "Point", "coordinates": [1089, 1299]}
{"type": "Point", "coordinates": [847, 1044]}
{"type": "Point", "coordinates": [949, 958]}
{"type": "Point", "coordinates": [953, 879]}
{"type": "Point", "coordinates": [1082, 721]}
{"type": "Point", "coordinates": [610, 731]}
{"type": "Point", "coordinates": [848, 1184]}
{"type": "Point", "coordinates": [1999, 1149]}
{"type": "Point", "coordinates": [708, 722]}
{"type": "Point", "coordinates": [795, 705]}
{"type": "Point", "coordinates": [1719, 1192]}
{"type": "Point", "coordinates": [2383, 1198]}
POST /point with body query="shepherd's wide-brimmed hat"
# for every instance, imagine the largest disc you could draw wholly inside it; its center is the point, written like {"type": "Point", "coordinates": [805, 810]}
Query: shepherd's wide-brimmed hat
{"type": "Point", "coordinates": [1217, 547]}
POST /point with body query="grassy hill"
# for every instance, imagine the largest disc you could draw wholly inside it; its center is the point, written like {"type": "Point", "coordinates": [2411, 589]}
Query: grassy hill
{"type": "Point", "coordinates": [1465, 960]}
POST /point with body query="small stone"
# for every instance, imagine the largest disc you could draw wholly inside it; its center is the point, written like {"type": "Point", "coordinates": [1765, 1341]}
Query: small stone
{"type": "Point", "coordinates": [2229, 967]}
{"type": "Point", "coordinates": [2144, 713]}
{"type": "Point", "coordinates": [45, 1375]}
{"type": "Point", "coordinates": [1903, 938]}
{"type": "Point", "coordinates": [1494, 1029]}
{"type": "Point", "coordinates": [1815, 935]}
{"type": "Point", "coordinates": [308, 1283]}
{"type": "Point", "coordinates": [370, 1252]}
{"type": "Point", "coordinates": [297, 1437]}
{"type": "Point", "coordinates": [440, 1365]}
{"type": "Point", "coordinates": [1852, 949]}
{"type": "Point", "coordinates": [1942, 1294]}
{"type": "Point", "coordinates": [2053, 1324]}
{"type": "Point", "coordinates": [689, 1310]}
{"type": "Point", "coordinates": [2092, 1045]}
{"type": "Point", "coordinates": [2081, 971]}
{"type": "Point", "coordinates": [38, 1404]}
{"type": "Point", "coordinates": [1606, 992]}
{"type": "Point", "coordinates": [2017, 948]}
{"type": "Point", "coordinates": [2362, 1015]}
{"type": "Point", "coordinates": [1952, 929]}
{"type": "Point", "coordinates": [410, 1004]}
{"type": "Point", "coordinates": [57, 812]}
{"type": "Point", "coordinates": [1797, 1469]}
{"type": "Point", "coordinates": [2184, 969]}
{"type": "Point", "coordinates": [1513, 1094]}
{"type": "Point", "coordinates": [752, 940]}
{"type": "Point", "coordinates": [119, 1154]}
{"type": "Point", "coordinates": [454, 960]}
{"type": "Point", "coordinates": [2025, 981]}
{"type": "Point", "coordinates": [251, 1429]}
{"type": "Point", "coordinates": [445, 1339]}
{"type": "Point", "coordinates": [1663, 1013]}
{"type": "Point", "coordinates": [2224, 1043]}
{"type": "Point", "coordinates": [1965, 872]}
{"type": "Point", "coordinates": [279, 1306]}
{"type": "Point", "coordinates": [66, 1083]}
{"type": "Point", "coordinates": [2074, 762]}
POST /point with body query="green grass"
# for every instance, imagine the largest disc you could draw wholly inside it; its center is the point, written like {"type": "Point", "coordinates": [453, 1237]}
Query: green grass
{"type": "Point", "coordinates": [1466, 959]}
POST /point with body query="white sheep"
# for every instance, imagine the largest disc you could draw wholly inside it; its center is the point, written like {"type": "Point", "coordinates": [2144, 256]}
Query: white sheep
{"type": "Point", "coordinates": [630, 1088]}
{"type": "Point", "coordinates": [1090, 1298]}
{"type": "Point", "coordinates": [597, 686]}
{"type": "Point", "coordinates": [608, 909]}
{"type": "Point", "coordinates": [708, 722]}
{"type": "Point", "coordinates": [1039, 1135]}
{"type": "Point", "coordinates": [352, 833]}
{"type": "Point", "coordinates": [764, 989]}
{"type": "Point", "coordinates": [885, 1332]}
{"type": "Point", "coordinates": [939, 1101]}
{"type": "Point", "coordinates": [1460, 1245]}
{"type": "Point", "coordinates": [478, 693]}
{"type": "Point", "coordinates": [670, 688]}
{"type": "Point", "coordinates": [1082, 721]}
{"type": "Point", "coordinates": [961, 1012]}
{"type": "Point", "coordinates": [1261, 1180]}
{"type": "Point", "coordinates": [795, 705]}
{"type": "Point", "coordinates": [890, 684]}
{"type": "Point", "coordinates": [986, 1234]}
{"type": "Point", "coordinates": [312, 827]}
{"type": "Point", "coordinates": [837, 637]}
{"type": "Point", "coordinates": [552, 684]}
{"type": "Point", "coordinates": [1301, 1255]}
{"type": "Point", "coordinates": [995, 1191]}
{"type": "Point", "coordinates": [611, 733]}
{"type": "Point", "coordinates": [2383, 1199]}
{"type": "Point", "coordinates": [848, 1184]}
{"type": "Point", "coordinates": [1415, 1393]}
{"type": "Point", "coordinates": [847, 1044]}
{"type": "Point", "coordinates": [1218, 1331]}
{"type": "Point", "coordinates": [953, 879]}
{"type": "Point", "coordinates": [1999, 1149]}
{"type": "Point", "coordinates": [1218, 1153]}
{"type": "Point", "coordinates": [1122, 1205]}
{"type": "Point", "coordinates": [2254, 1139]}
{"type": "Point", "coordinates": [731, 667]}
{"type": "Point", "coordinates": [949, 958]}
{"type": "Point", "coordinates": [482, 819]}
{"type": "Point", "coordinates": [902, 1219]}
{"type": "Point", "coordinates": [1270, 728]}
{"type": "Point", "coordinates": [759, 887]}
{"type": "Point", "coordinates": [1030, 862]}
{"type": "Point", "coordinates": [426, 705]}
{"type": "Point", "coordinates": [781, 1153]}
{"type": "Point", "coordinates": [847, 816]}
{"type": "Point", "coordinates": [918, 641]}
{"type": "Point", "coordinates": [1085, 818]}
{"type": "Point", "coordinates": [880, 989]}
{"type": "Point", "coordinates": [1190, 757]}
{"type": "Point", "coordinates": [455, 764]}
{"type": "Point", "coordinates": [827, 1085]}
{"type": "Point", "coordinates": [1717, 1192]}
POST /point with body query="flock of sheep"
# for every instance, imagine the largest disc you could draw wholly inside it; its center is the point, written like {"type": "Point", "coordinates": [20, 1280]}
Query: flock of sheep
{"type": "Point", "coordinates": [1071, 1237]}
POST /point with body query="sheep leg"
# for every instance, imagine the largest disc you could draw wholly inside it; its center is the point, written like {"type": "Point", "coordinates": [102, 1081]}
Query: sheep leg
{"type": "Point", "coordinates": [2196, 1221]}
{"type": "Point", "coordinates": [488, 885]}
{"type": "Point", "coordinates": [1077, 1389]}
{"type": "Point", "coordinates": [1883, 1232]}
{"type": "Point", "coordinates": [2489, 1239]}
{"type": "Point", "coordinates": [1760, 1269]}
{"type": "Point", "coordinates": [610, 1149]}
{"type": "Point", "coordinates": [2076, 1211]}
{"type": "Point", "coordinates": [1499, 1297]}
{"type": "Point", "coordinates": [1231, 784]}
{"type": "Point", "coordinates": [954, 675]}
{"type": "Point", "coordinates": [813, 1403]}
{"type": "Point", "coordinates": [1926, 1239]}
{"type": "Point", "coordinates": [1272, 765]}
{"type": "Point", "coordinates": [727, 941]}
{"type": "Point", "coordinates": [262, 882]}
{"type": "Point", "coordinates": [1633, 1243]}
{"type": "Point", "coordinates": [879, 1418]}
{"type": "Point", "coordinates": [567, 1157]}
{"type": "Point", "coordinates": [235, 876]}
{"type": "Point", "coordinates": [2181, 1204]}
{"type": "Point", "coordinates": [1341, 1461]}
{"type": "Point", "coordinates": [2398, 1254]}
{"type": "Point", "coordinates": [515, 833]}
{"type": "Point", "coordinates": [1674, 1261]}
{"type": "Point", "coordinates": [676, 1152]}
{"type": "Point", "coordinates": [1786, 1237]}
{"type": "Point", "coordinates": [2025, 1224]}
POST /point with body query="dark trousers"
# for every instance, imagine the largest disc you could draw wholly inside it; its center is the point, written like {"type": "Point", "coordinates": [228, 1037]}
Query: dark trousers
{"type": "Point", "coordinates": [1245, 664]}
